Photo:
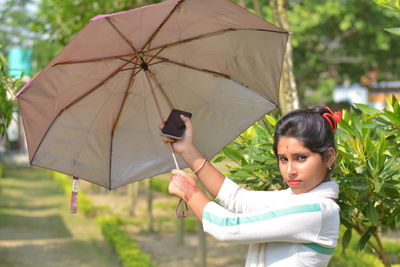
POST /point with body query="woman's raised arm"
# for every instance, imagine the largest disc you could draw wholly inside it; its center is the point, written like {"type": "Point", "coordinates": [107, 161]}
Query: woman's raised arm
{"type": "Point", "coordinates": [209, 176]}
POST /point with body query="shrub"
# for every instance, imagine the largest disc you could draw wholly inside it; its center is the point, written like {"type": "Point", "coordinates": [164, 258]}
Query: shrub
{"type": "Point", "coordinates": [1, 170]}
{"type": "Point", "coordinates": [352, 256]}
{"type": "Point", "coordinates": [368, 174]}
{"type": "Point", "coordinates": [127, 249]}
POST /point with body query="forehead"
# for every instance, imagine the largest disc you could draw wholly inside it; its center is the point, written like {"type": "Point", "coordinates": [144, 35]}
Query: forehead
{"type": "Point", "coordinates": [291, 145]}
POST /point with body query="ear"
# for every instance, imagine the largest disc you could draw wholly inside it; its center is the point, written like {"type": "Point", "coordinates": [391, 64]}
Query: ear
{"type": "Point", "coordinates": [330, 157]}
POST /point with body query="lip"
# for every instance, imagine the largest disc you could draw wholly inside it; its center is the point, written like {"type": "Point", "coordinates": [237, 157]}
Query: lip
{"type": "Point", "coordinates": [294, 182]}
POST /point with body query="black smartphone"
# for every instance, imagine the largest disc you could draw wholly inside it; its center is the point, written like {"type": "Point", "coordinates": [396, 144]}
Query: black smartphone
{"type": "Point", "coordinates": [174, 127]}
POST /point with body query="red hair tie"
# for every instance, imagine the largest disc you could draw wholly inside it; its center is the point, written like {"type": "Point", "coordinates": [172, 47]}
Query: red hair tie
{"type": "Point", "coordinates": [336, 117]}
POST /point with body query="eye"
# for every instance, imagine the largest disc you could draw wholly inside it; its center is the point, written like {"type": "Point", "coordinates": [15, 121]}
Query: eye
{"type": "Point", "coordinates": [301, 157]}
{"type": "Point", "coordinates": [283, 159]}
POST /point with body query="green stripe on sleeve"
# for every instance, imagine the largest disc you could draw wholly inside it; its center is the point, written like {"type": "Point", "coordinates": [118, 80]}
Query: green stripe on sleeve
{"type": "Point", "coordinates": [237, 220]}
{"type": "Point", "coordinates": [320, 249]}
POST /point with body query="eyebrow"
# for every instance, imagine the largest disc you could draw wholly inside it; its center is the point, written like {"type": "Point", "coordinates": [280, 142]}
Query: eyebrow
{"type": "Point", "coordinates": [295, 154]}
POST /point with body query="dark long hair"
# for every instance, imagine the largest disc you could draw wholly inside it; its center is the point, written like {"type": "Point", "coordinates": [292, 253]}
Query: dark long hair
{"type": "Point", "coordinates": [309, 127]}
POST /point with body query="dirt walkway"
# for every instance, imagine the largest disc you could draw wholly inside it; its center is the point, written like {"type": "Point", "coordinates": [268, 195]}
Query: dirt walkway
{"type": "Point", "coordinates": [36, 228]}
{"type": "Point", "coordinates": [162, 244]}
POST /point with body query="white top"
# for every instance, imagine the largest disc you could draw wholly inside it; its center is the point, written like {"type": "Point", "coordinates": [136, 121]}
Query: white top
{"type": "Point", "coordinates": [282, 228]}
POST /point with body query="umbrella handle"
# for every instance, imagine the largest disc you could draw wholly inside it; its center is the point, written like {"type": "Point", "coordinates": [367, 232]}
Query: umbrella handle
{"type": "Point", "coordinates": [74, 195]}
{"type": "Point", "coordinates": [181, 212]}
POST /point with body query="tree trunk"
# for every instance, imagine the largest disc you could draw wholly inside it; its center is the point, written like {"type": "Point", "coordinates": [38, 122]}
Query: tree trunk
{"type": "Point", "coordinates": [149, 206]}
{"type": "Point", "coordinates": [242, 3]}
{"type": "Point", "coordinates": [257, 7]}
{"type": "Point", "coordinates": [288, 98]}
{"type": "Point", "coordinates": [383, 256]}
{"type": "Point", "coordinates": [133, 194]}
{"type": "Point", "coordinates": [202, 247]}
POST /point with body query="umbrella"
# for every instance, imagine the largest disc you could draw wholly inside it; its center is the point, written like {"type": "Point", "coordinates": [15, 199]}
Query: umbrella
{"type": "Point", "coordinates": [93, 112]}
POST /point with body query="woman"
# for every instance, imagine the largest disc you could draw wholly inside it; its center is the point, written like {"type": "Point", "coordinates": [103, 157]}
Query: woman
{"type": "Point", "coordinates": [294, 227]}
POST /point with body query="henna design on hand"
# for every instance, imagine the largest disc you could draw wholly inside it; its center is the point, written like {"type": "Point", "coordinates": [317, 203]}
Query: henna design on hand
{"type": "Point", "coordinates": [187, 189]}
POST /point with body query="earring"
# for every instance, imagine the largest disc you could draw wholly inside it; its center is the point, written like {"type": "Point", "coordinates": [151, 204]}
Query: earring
{"type": "Point", "coordinates": [330, 168]}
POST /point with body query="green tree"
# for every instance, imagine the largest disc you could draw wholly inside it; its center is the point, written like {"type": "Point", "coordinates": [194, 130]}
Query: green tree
{"type": "Point", "coordinates": [393, 5]}
{"type": "Point", "coordinates": [340, 40]}
{"type": "Point", "coordinates": [8, 87]}
{"type": "Point", "coordinates": [68, 17]}
{"type": "Point", "coordinates": [337, 40]}
{"type": "Point", "coordinates": [14, 23]}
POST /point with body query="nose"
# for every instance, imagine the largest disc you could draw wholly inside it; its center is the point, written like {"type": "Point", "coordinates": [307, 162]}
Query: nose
{"type": "Point", "coordinates": [291, 169]}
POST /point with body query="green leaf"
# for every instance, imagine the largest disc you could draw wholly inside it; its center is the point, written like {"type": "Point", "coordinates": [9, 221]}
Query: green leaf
{"type": "Point", "coordinates": [371, 212]}
{"type": "Point", "coordinates": [370, 110]}
{"type": "Point", "coordinates": [252, 167]}
{"type": "Point", "coordinates": [393, 117]}
{"type": "Point", "coordinates": [391, 191]}
{"type": "Point", "coordinates": [394, 104]}
{"type": "Point", "coordinates": [378, 185]}
{"type": "Point", "coordinates": [365, 237]}
{"type": "Point", "coordinates": [271, 120]}
{"type": "Point", "coordinates": [395, 31]}
{"type": "Point", "coordinates": [219, 159]}
{"type": "Point", "coordinates": [239, 175]}
{"type": "Point", "coordinates": [234, 155]}
{"type": "Point", "coordinates": [346, 238]}
{"type": "Point", "coordinates": [345, 126]}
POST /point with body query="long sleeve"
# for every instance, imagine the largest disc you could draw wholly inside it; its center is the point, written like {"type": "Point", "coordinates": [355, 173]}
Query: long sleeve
{"type": "Point", "coordinates": [238, 200]}
{"type": "Point", "coordinates": [298, 222]}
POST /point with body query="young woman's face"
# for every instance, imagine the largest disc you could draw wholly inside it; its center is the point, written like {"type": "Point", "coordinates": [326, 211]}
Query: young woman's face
{"type": "Point", "coordinates": [301, 168]}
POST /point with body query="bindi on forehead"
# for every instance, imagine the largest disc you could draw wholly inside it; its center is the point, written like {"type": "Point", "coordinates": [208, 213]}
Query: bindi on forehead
{"type": "Point", "coordinates": [291, 145]}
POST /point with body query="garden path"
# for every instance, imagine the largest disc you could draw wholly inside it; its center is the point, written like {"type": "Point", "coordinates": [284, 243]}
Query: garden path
{"type": "Point", "coordinates": [36, 228]}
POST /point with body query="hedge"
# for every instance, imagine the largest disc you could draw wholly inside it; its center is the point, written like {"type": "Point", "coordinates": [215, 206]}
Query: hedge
{"type": "Point", "coordinates": [127, 249]}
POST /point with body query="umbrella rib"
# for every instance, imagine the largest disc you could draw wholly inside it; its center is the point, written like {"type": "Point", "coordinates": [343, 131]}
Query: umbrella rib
{"type": "Point", "coordinates": [95, 87]}
{"type": "Point", "coordinates": [148, 43]}
{"type": "Point", "coordinates": [201, 36]}
{"type": "Point", "coordinates": [153, 77]}
{"type": "Point", "coordinates": [166, 60]}
{"type": "Point", "coordinates": [131, 79]}
{"type": "Point", "coordinates": [92, 60]}
{"type": "Point", "coordinates": [195, 38]}
{"type": "Point", "coordinates": [122, 36]}
{"type": "Point", "coordinates": [152, 57]}
{"type": "Point", "coordinates": [132, 68]}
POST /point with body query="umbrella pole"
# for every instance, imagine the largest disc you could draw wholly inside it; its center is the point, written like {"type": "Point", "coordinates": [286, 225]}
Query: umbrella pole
{"type": "Point", "coordinates": [180, 211]}
{"type": "Point", "coordinates": [174, 157]}
{"type": "Point", "coordinates": [145, 68]}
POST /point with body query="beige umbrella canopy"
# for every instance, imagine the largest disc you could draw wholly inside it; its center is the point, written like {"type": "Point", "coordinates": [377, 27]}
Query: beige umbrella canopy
{"type": "Point", "coordinates": [93, 112]}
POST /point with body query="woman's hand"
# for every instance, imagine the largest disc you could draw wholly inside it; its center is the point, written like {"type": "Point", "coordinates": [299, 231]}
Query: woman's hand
{"type": "Point", "coordinates": [182, 185]}
{"type": "Point", "coordinates": [186, 143]}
